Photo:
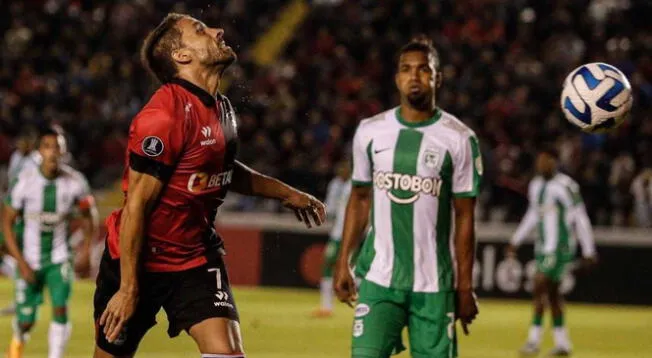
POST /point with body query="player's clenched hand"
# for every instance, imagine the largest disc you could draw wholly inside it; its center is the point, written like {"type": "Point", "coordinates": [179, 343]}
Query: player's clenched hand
{"type": "Point", "coordinates": [344, 285]}
{"type": "Point", "coordinates": [466, 307]}
{"type": "Point", "coordinates": [305, 207]}
{"type": "Point", "coordinates": [27, 273]}
{"type": "Point", "coordinates": [83, 264]}
{"type": "Point", "coordinates": [118, 311]}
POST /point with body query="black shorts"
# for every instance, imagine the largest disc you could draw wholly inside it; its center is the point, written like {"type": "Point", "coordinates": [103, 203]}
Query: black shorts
{"type": "Point", "coordinates": [188, 297]}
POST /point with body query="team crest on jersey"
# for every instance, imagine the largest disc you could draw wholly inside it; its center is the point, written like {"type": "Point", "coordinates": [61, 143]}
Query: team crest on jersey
{"type": "Point", "coordinates": [431, 158]}
{"type": "Point", "coordinates": [152, 146]}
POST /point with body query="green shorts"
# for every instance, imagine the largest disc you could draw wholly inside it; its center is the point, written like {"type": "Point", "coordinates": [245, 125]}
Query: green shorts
{"type": "Point", "coordinates": [58, 278]}
{"type": "Point", "coordinates": [553, 266]}
{"type": "Point", "coordinates": [382, 313]}
{"type": "Point", "coordinates": [330, 257]}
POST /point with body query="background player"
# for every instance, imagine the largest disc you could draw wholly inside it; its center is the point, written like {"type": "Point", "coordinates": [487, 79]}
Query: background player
{"type": "Point", "coordinates": [417, 168]}
{"type": "Point", "coordinates": [337, 196]}
{"type": "Point", "coordinates": [557, 208]}
{"type": "Point", "coordinates": [45, 197]}
{"type": "Point", "coordinates": [25, 155]}
{"type": "Point", "coordinates": [180, 164]}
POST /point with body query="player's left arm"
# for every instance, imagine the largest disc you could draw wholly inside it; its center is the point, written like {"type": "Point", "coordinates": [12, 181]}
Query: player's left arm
{"type": "Point", "coordinates": [582, 225]}
{"type": "Point", "coordinates": [247, 181]}
{"type": "Point", "coordinates": [467, 174]}
{"type": "Point", "coordinates": [89, 225]}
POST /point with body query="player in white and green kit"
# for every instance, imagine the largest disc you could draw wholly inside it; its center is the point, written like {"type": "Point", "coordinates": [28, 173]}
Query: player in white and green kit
{"type": "Point", "coordinates": [24, 156]}
{"type": "Point", "coordinates": [557, 210]}
{"type": "Point", "coordinates": [46, 197]}
{"type": "Point", "coordinates": [337, 196]}
{"type": "Point", "coordinates": [416, 170]}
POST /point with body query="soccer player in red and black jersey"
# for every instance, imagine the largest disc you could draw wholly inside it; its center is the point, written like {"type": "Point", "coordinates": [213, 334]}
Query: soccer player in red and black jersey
{"type": "Point", "coordinates": [161, 248]}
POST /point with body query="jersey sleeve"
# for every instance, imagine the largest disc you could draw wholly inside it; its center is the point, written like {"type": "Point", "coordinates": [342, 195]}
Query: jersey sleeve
{"type": "Point", "coordinates": [467, 169]}
{"type": "Point", "coordinates": [362, 162]}
{"type": "Point", "coordinates": [580, 221]}
{"type": "Point", "coordinates": [16, 195]}
{"type": "Point", "coordinates": [155, 143]}
{"type": "Point", "coordinates": [83, 197]}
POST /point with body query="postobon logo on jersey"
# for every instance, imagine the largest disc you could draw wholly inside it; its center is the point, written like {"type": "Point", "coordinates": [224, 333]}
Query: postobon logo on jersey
{"type": "Point", "coordinates": [413, 184]}
{"type": "Point", "coordinates": [48, 221]}
{"type": "Point", "coordinates": [199, 182]}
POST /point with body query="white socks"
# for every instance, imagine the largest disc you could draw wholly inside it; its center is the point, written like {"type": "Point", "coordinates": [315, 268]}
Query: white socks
{"type": "Point", "coordinates": [58, 337]}
{"type": "Point", "coordinates": [326, 290]}
{"type": "Point", "coordinates": [560, 336]}
{"type": "Point", "coordinates": [534, 336]}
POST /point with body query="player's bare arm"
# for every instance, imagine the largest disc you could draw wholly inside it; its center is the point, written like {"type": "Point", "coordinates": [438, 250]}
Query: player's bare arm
{"type": "Point", "coordinates": [89, 226]}
{"type": "Point", "coordinates": [467, 308]}
{"type": "Point", "coordinates": [8, 218]}
{"type": "Point", "coordinates": [247, 181]}
{"type": "Point", "coordinates": [357, 218]}
{"type": "Point", "coordinates": [143, 193]}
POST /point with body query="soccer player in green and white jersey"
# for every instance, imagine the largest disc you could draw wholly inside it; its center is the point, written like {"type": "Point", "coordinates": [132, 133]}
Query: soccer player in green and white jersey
{"type": "Point", "coordinates": [416, 170]}
{"type": "Point", "coordinates": [24, 156]}
{"type": "Point", "coordinates": [337, 196]}
{"type": "Point", "coordinates": [46, 197]}
{"type": "Point", "coordinates": [556, 207]}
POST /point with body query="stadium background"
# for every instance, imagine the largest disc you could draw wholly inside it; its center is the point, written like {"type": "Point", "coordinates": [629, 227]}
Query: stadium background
{"type": "Point", "coordinates": [308, 72]}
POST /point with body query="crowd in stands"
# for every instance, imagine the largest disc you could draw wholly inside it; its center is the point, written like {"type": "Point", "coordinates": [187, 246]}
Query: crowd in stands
{"type": "Point", "coordinates": [76, 63]}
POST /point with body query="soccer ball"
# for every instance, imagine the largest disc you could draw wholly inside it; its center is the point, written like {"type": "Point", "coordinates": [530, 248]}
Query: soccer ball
{"type": "Point", "coordinates": [597, 97]}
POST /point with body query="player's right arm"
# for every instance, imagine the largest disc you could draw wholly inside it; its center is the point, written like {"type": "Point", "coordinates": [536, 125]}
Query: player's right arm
{"type": "Point", "coordinates": [357, 216]}
{"type": "Point", "coordinates": [155, 142]}
{"type": "Point", "coordinates": [13, 204]}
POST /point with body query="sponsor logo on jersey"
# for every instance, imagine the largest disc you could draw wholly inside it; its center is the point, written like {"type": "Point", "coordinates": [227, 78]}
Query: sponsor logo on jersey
{"type": "Point", "coordinates": [358, 328]}
{"type": "Point", "coordinates": [48, 221]}
{"type": "Point", "coordinates": [152, 146]}
{"type": "Point", "coordinates": [199, 182]}
{"type": "Point", "coordinates": [362, 310]}
{"type": "Point", "coordinates": [206, 131]}
{"type": "Point", "coordinates": [411, 186]}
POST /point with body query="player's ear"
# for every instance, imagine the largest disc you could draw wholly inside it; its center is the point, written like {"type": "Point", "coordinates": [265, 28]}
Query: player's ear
{"type": "Point", "coordinates": [439, 78]}
{"type": "Point", "coordinates": [396, 80]}
{"type": "Point", "coordinates": [182, 56]}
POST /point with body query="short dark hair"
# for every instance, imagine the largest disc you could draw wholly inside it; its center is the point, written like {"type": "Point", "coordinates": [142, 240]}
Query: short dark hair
{"type": "Point", "coordinates": [158, 46]}
{"type": "Point", "coordinates": [48, 131]}
{"type": "Point", "coordinates": [421, 43]}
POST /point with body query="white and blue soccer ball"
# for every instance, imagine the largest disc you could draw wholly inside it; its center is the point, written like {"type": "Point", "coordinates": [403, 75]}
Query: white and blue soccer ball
{"type": "Point", "coordinates": [597, 97]}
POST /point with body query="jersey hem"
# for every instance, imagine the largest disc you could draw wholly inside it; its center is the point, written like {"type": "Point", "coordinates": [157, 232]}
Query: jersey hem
{"type": "Point", "coordinates": [467, 194]}
{"type": "Point", "coordinates": [360, 183]}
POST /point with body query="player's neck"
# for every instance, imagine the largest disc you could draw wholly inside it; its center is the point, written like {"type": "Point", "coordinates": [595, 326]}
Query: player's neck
{"type": "Point", "coordinates": [413, 115]}
{"type": "Point", "coordinates": [49, 172]}
{"type": "Point", "coordinates": [207, 79]}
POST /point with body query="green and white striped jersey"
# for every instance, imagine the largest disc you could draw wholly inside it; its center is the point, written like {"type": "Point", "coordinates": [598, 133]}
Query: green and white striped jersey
{"type": "Point", "coordinates": [557, 208]}
{"type": "Point", "coordinates": [46, 207]}
{"type": "Point", "coordinates": [416, 170]}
